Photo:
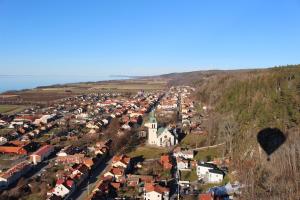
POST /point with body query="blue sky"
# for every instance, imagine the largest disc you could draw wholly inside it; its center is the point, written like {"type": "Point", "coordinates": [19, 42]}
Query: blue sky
{"type": "Point", "coordinates": [139, 37]}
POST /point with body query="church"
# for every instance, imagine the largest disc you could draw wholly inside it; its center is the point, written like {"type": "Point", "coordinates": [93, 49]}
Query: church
{"type": "Point", "coordinates": [160, 136]}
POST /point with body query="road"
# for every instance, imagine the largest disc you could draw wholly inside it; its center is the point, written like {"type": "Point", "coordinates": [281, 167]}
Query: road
{"type": "Point", "coordinates": [84, 190]}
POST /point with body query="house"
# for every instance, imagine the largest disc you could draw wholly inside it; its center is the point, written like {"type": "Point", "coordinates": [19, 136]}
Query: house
{"type": "Point", "coordinates": [116, 173]}
{"type": "Point", "coordinates": [166, 162]}
{"type": "Point", "coordinates": [41, 154]}
{"type": "Point", "coordinates": [13, 174]}
{"type": "Point", "coordinates": [206, 196]}
{"type": "Point", "coordinates": [13, 150]}
{"type": "Point", "coordinates": [132, 180]}
{"type": "Point", "coordinates": [209, 172]}
{"type": "Point", "coordinates": [63, 190]}
{"type": "Point", "coordinates": [182, 163]}
{"type": "Point", "coordinates": [203, 169]}
{"type": "Point", "coordinates": [215, 176]}
{"type": "Point", "coordinates": [115, 185]}
{"type": "Point", "coordinates": [183, 153]}
{"type": "Point", "coordinates": [3, 140]}
{"type": "Point", "coordinates": [68, 159]}
{"type": "Point", "coordinates": [155, 192]}
{"type": "Point", "coordinates": [122, 161]}
{"type": "Point", "coordinates": [159, 137]}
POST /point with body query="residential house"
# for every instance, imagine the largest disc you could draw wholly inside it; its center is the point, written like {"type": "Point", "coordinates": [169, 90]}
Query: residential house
{"type": "Point", "coordinates": [14, 173]}
{"type": "Point", "coordinates": [122, 161]}
{"type": "Point", "coordinates": [116, 173]}
{"type": "Point", "coordinates": [182, 164]}
{"type": "Point", "coordinates": [215, 176]}
{"type": "Point", "coordinates": [155, 192]}
{"type": "Point", "coordinates": [203, 169]}
{"type": "Point", "coordinates": [68, 159]}
{"type": "Point", "coordinates": [209, 172]}
{"type": "Point", "coordinates": [41, 154]}
{"type": "Point", "coordinates": [183, 153]}
{"type": "Point", "coordinates": [165, 161]}
{"type": "Point", "coordinates": [206, 196]}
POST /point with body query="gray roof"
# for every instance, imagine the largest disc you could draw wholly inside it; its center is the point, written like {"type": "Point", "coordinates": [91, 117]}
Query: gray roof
{"type": "Point", "coordinates": [160, 131]}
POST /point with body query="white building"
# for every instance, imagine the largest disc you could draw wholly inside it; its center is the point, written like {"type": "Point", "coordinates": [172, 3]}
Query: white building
{"type": "Point", "coordinates": [209, 173]}
{"type": "Point", "coordinates": [215, 176]}
{"type": "Point", "coordinates": [203, 169]}
{"type": "Point", "coordinates": [182, 164]}
{"type": "Point", "coordinates": [156, 192]}
{"type": "Point", "coordinates": [61, 190]}
{"type": "Point", "coordinates": [183, 153]}
{"type": "Point", "coordinates": [160, 137]}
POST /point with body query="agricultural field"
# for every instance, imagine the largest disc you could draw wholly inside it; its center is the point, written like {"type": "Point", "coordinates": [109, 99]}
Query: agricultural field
{"type": "Point", "coordinates": [11, 109]}
{"type": "Point", "coordinates": [48, 94]}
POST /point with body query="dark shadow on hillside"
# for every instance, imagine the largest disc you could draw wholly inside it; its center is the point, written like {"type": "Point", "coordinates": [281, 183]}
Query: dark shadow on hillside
{"type": "Point", "coordinates": [270, 139]}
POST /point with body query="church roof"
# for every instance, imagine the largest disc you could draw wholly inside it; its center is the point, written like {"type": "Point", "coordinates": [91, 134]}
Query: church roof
{"type": "Point", "coordinates": [160, 131]}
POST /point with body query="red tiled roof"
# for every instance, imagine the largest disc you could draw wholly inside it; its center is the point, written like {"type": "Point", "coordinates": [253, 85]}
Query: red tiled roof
{"type": "Point", "coordinates": [117, 171]}
{"type": "Point", "coordinates": [156, 188]}
{"type": "Point", "coordinates": [205, 196]}
{"type": "Point", "coordinates": [43, 150]}
{"type": "Point", "coordinates": [16, 150]}
{"type": "Point", "coordinates": [116, 185]}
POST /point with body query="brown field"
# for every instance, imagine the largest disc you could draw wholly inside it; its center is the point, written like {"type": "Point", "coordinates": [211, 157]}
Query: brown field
{"type": "Point", "coordinates": [49, 94]}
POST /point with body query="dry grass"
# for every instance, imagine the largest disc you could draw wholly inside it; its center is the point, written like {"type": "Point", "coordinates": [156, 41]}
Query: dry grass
{"type": "Point", "coordinates": [193, 140]}
{"type": "Point", "coordinates": [148, 152]}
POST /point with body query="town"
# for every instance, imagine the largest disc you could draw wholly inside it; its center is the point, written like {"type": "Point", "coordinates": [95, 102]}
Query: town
{"type": "Point", "coordinates": [145, 145]}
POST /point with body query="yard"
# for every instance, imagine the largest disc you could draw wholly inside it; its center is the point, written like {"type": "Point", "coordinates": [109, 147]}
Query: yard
{"type": "Point", "coordinates": [209, 153]}
{"type": "Point", "coordinates": [193, 141]}
{"type": "Point", "coordinates": [189, 175]}
{"type": "Point", "coordinates": [204, 187]}
{"type": "Point", "coordinates": [147, 152]}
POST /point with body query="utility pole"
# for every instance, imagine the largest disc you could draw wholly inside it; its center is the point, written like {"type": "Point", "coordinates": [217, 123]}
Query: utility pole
{"type": "Point", "coordinates": [177, 184]}
{"type": "Point", "coordinates": [88, 187]}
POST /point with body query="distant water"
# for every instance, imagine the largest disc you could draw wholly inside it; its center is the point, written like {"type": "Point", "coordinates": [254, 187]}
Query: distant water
{"type": "Point", "coordinates": [15, 82]}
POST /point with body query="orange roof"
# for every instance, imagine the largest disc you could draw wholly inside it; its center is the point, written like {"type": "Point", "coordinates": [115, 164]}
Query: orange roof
{"type": "Point", "coordinates": [165, 158]}
{"type": "Point", "coordinates": [18, 143]}
{"type": "Point", "coordinates": [122, 158]}
{"type": "Point", "coordinates": [117, 171]}
{"type": "Point", "coordinates": [205, 196]}
{"type": "Point", "coordinates": [43, 150]}
{"type": "Point", "coordinates": [116, 185]}
{"type": "Point", "coordinates": [156, 188]}
{"type": "Point", "coordinates": [16, 150]}
{"type": "Point", "coordinates": [88, 162]}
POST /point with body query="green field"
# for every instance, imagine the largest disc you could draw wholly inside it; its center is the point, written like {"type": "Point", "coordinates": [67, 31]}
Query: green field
{"type": "Point", "coordinates": [148, 152]}
{"type": "Point", "coordinates": [193, 141]}
{"type": "Point", "coordinates": [11, 109]}
{"type": "Point", "coordinates": [209, 153]}
{"type": "Point", "coordinates": [189, 175]}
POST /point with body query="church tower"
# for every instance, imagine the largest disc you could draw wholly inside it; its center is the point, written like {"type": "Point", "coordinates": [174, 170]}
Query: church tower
{"type": "Point", "coordinates": [152, 129]}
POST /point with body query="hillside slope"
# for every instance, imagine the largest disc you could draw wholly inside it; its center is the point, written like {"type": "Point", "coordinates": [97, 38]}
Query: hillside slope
{"type": "Point", "coordinates": [243, 103]}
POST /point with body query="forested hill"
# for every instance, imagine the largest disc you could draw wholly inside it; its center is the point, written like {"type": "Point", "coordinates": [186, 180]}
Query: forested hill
{"type": "Point", "coordinates": [243, 103]}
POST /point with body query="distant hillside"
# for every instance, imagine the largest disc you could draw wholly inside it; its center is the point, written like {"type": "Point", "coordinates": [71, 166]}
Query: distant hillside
{"type": "Point", "coordinates": [243, 103]}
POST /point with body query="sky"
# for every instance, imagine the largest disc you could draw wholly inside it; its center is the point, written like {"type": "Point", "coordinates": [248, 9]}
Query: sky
{"type": "Point", "coordinates": [145, 37]}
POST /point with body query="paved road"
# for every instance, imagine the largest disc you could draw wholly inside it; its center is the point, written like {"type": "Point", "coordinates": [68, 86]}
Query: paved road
{"type": "Point", "coordinates": [88, 185]}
